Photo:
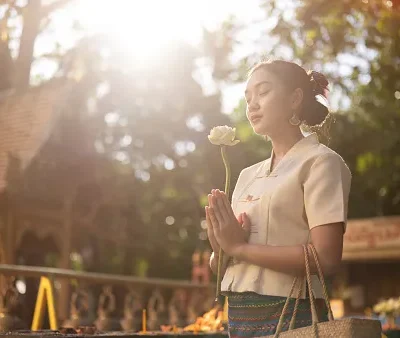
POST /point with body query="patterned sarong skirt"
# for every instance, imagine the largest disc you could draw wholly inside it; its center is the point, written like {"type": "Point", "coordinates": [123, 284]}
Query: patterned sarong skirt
{"type": "Point", "coordinates": [254, 315]}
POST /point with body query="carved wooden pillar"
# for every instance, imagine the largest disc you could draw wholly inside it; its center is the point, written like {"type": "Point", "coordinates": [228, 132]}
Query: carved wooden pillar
{"type": "Point", "coordinates": [10, 233]}
{"type": "Point", "coordinates": [7, 240]}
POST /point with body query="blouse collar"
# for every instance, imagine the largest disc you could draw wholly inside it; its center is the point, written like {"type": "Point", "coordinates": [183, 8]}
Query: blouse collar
{"type": "Point", "coordinates": [306, 142]}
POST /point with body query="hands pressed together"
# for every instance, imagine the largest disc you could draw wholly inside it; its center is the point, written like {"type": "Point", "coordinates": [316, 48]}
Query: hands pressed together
{"type": "Point", "coordinates": [224, 230]}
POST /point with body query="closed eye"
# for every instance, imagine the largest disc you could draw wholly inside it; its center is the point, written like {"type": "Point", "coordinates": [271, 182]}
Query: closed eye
{"type": "Point", "coordinates": [264, 93]}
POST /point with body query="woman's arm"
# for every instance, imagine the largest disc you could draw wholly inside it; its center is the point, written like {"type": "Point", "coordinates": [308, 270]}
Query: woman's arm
{"type": "Point", "coordinates": [327, 240]}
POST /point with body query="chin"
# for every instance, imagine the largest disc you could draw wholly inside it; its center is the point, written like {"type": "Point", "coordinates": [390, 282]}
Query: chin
{"type": "Point", "coordinates": [260, 129]}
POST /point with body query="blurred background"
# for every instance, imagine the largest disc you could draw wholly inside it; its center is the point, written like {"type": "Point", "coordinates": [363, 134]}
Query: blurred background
{"type": "Point", "coordinates": [105, 108]}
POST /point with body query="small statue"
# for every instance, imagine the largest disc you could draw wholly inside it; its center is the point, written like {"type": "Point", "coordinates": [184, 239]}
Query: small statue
{"type": "Point", "coordinates": [177, 308]}
{"type": "Point", "coordinates": [9, 300]}
{"type": "Point", "coordinates": [79, 309]}
{"type": "Point", "coordinates": [156, 310]}
{"type": "Point", "coordinates": [132, 305]}
{"type": "Point", "coordinates": [105, 309]}
{"type": "Point", "coordinates": [195, 307]}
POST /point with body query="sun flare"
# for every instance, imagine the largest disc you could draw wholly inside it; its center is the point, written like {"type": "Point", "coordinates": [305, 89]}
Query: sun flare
{"type": "Point", "coordinates": [143, 26]}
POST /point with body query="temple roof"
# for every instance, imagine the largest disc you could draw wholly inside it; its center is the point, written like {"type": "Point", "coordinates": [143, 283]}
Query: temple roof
{"type": "Point", "coordinates": [26, 121]}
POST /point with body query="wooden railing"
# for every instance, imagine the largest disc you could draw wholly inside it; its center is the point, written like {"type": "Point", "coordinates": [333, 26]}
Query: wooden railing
{"type": "Point", "coordinates": [120, 299]}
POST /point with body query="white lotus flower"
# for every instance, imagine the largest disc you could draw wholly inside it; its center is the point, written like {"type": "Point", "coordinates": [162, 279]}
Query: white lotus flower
{"type": "Point", "coordinates": [223, 136]}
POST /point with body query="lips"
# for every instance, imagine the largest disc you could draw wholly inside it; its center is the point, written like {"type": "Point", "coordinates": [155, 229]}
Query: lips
{"type": "Point", "coordinates": [255, 118]}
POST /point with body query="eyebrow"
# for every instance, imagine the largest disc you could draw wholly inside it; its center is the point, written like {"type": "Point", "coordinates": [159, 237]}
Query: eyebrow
{"type": "Point", "coordinates": [258, 85]}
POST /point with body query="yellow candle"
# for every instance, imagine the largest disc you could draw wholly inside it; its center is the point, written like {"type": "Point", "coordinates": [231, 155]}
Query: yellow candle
{"type": "Point", "coordinates": [225, 313]}
{"type": "Point", "coordinates": [144, 321]}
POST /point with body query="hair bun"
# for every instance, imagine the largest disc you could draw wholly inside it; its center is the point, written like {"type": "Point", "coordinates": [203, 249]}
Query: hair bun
{"type": "Point", "coordinates": [319, 83]}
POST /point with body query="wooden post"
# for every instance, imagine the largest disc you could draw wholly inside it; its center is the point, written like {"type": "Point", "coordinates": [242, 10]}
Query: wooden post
{"type": "Point", "coordinates": [7, 241]}
{"type": "Point", "coordinates": [10, 242]}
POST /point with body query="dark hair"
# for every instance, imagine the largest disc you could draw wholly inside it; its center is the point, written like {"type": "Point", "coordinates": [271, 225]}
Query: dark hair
{"type": "Point", "coordinates": [313, 84]}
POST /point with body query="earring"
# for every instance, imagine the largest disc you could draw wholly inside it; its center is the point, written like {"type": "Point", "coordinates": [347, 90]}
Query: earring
{"type": "Point", "coordinates": [294, 120]}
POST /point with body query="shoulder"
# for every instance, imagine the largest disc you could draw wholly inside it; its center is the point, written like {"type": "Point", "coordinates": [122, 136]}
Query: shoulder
{"type": "Point", "coordinates": [324, 158]}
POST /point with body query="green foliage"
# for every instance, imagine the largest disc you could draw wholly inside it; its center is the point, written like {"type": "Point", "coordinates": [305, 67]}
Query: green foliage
{"type": "Point", "coordinates": [357, 45]}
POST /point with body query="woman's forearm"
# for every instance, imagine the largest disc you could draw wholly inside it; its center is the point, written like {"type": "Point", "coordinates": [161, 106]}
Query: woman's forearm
{"type": "Point", "coordinates": [285, 259]}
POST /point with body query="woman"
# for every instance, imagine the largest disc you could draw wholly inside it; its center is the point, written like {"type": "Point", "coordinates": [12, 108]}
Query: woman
{"type": "Point", "coordinates": [298, 195]}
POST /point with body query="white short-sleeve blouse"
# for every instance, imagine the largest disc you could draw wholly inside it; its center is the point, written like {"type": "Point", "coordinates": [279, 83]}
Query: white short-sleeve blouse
{"type": "Point", "coordinates": [309, 187]}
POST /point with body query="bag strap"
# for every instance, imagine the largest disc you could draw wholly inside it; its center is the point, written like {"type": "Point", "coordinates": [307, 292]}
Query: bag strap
{"type": "Point", "coordinates": [296, 305]}
{"type": "Point", "coordinates": [314, 314]}
{"type": "Point", "coordinates": [322, 281]}
{"type": "Point", "coordinates": [280, 322]}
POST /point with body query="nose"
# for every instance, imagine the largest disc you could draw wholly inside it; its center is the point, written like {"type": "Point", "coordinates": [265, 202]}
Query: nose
{"type": "Point", "coordinates": [253, 106]}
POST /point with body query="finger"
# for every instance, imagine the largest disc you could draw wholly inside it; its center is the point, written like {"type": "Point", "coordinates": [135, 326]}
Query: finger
{"type": "Point", "coordinates": [221, 207]}
{"type": "Point", "coordinates": [209, 196]}
{"type": "Point", "coordinates": [227, 205]}
{"type": "Point", "coordinates": [240, 218]}
{"type": "Point", "coordinates": [208, 220]}
{"type": "Point", "coordinates": [213, 218]}
{"type": "Point", "coordinates": [216, 218]}
{"type": "Point", "coordinates": [215, 226]}
{"type": "Point", "coordinates": [210, 231]}
{"type": "Point", "coordinates": [246, 222]}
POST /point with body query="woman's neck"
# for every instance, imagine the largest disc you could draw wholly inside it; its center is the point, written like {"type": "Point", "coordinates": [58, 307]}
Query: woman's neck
{"type": "Point", "coordinates": [283, 142]}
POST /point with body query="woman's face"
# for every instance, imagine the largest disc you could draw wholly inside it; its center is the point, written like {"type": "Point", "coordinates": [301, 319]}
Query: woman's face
{"type": "Point", "coordinates": [269, 105]}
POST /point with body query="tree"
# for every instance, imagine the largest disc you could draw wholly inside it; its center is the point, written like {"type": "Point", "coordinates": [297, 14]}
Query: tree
{"type": "Point", "coordinates": [357, 45]}
{"type": "Point", "coordinates": [32, 18]}
{"type": "Point", "coordinates": [154, 123]}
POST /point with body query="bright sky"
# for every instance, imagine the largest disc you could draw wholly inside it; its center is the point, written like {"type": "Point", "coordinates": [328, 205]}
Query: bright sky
{"type": "Point", "coordinates": [143, 26]}
{"type": "Point", "coordinates": [148, 24]}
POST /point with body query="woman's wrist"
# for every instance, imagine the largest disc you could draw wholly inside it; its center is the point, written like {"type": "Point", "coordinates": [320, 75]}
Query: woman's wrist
{"type": "Point", "coordinates": [240, 251]}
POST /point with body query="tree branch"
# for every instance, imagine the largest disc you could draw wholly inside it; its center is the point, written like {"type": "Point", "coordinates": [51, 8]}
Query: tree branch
{"type": "Point", "coordinates": [54, 6]}
{"type": "Point", "coordinates": [12, 4]}
{"type": "Point", "coordinates": [6, 17]}
{"type": "Point", "coordinates": [56, 56]}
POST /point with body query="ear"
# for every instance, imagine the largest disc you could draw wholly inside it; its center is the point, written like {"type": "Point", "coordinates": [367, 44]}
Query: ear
{"type": "Point", "coordinates": [296, 99]}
